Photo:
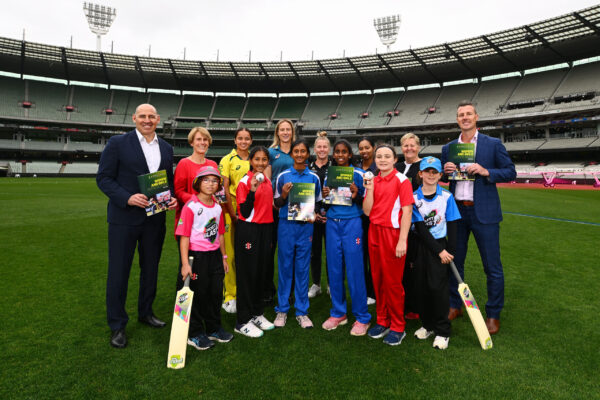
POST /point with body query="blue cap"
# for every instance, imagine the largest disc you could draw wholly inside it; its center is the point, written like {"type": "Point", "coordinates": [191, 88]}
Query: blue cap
{"type": "Point", "coordinates": [431, 162]}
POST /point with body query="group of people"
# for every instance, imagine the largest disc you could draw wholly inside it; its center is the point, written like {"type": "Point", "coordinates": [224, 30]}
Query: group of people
{"type": "Point", "coordinates": [391, 245]}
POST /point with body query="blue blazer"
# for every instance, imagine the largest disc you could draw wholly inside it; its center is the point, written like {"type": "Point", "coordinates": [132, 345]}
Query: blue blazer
{"type": "Point", "coordinates": [121, 162]}
{"type": "Point", "coordinates": [491, 154]}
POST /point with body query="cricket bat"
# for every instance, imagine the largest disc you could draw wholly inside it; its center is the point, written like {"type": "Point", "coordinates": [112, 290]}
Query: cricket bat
{"type": "Point", "coordinates": [181, 325]}
{"type": "Point", "coordinates": [473, 310]}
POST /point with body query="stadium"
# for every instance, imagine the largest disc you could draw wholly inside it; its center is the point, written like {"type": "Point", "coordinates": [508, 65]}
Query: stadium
{"type": "Point", "coordinates": [536, 87]}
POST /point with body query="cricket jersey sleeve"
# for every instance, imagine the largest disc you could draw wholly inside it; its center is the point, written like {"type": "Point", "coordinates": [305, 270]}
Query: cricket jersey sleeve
{"type": "Point", "coordinates": [224, 166]}
{"type": "Point", "coordinates": [452, 213]}
{"type": "Point", "coordinates": [184, 226]}
{"type": "Point", "coordinates": [221, 223]}
{"type": "Point", "coordinates": [406, 193]}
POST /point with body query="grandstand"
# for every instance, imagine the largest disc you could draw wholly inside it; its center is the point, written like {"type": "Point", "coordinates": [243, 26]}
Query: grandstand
{"type": "Point", "coordinates": [539, 92]}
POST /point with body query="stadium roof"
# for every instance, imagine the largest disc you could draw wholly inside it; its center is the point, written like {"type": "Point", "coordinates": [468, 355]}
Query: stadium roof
{"type": "Point", "coordinates": [557, 40]}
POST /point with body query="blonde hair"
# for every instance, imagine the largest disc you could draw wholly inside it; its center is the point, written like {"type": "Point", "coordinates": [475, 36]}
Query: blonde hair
{"type": "Point", "coordinates": [322, 136]}
{"type": "Point", "coordinates": [202, 131]}
{"type": "Point", "coordinates": [408, 136]}
{"type": "Point", "coordinates": [276, 141]}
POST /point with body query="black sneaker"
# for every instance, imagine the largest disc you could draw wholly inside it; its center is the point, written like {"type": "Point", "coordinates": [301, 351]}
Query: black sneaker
{"type": "Point", "coordinates": [221, 336]}
{"type": "Point", "coordinates": [201, 342]}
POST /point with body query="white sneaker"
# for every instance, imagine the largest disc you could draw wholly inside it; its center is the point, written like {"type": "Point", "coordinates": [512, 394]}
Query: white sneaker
{"type": "Point", "coordinates": [230, 306]}
{"type": "Point", "coordinates": [423, 333]}
{"type": "Point", "coordinates": [314, 291]}
{"type": "Point", "coordinates": [441, 342]}
{"type": "Point", "coordinates": [262, 323]}
{"type": "Point", "coordinates": [304, 321]}
{"type": "Point", "coordinates": [250, 330]}
{"type": "Point", "coordinates": [370, 301]}
{"type": "Point", "coordinates": [280, 320]}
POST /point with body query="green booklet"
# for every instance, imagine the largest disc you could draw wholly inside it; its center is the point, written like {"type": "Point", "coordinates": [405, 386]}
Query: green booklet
{"type": "Point", "coordinates": [462, 155]}
{"type": "Point", "coordinates": [301, 204]}
{"type": "Point", "coordinates": [339, 180]}
{"type": "Point", "coordinates": [155, 186]}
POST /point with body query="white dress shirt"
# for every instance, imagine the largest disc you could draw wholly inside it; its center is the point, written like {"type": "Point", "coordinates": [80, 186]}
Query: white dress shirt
{"type": "Point", "coordinates": [464, 189]}
{"type": "Point", "coordinates": [151, 151]}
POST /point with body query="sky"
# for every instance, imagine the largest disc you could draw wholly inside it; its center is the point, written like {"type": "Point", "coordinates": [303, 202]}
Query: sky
{"type": "Point", "coordinates": [269, 30]}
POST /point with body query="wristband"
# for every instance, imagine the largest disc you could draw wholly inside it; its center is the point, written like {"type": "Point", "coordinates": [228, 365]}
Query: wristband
{"type": "Point", "coordinates": [225, 257]}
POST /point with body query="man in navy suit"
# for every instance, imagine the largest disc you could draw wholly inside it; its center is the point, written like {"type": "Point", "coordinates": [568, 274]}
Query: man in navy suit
{"type": "Point", "coordinates": [479, 206]}
{"type": "Point", "coordinates": [124, 158]}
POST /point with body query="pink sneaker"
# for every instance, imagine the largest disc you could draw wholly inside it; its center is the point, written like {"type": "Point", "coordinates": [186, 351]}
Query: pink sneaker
{"type": "Point", "coordinates": [333, 322]}
{"type": "Point", "coordinates": [280, 320]}
{"type": "Point", "coordinates": [304, 321]}
{"type": "Point", "coordinates": [359, 329]}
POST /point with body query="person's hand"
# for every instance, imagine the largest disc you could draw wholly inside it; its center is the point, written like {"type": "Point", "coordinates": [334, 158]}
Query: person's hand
{"type": "Point", "coordinates": [138, 200]}
{"type": "Point", "coordinates": [449, 168]}
{"type": "Point", "coordinates": [476, 169]}
{"type": "Point", "coordinates": [225, 265]}
{"type": "Point", "coordinates": [368, 184]}
{"type": "Point", "coordinates": [401, 248]}
{"type": "Point", "coordinates": [186, 269]}
{"type": "Point", "coordinates": [325, 191]}
{"type": "Point", "coordinates": [254, 183]}
{"type": "Point", "coordinates": [320, 219]}
{"type": "Point", "coordinates": [172, 203]}
{"type": "Point", "coordinates": [446, 257]}
{"type": "Point", "coordinates": [353, 190]}
{"type": "Point", "coordinates": [285, 190]}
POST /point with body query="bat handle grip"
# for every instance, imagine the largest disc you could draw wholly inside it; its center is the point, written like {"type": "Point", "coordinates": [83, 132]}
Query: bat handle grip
{"type": "Point", "coordinates": [455, 272]}
{"type": "Point", "coordinates": [186, 283]}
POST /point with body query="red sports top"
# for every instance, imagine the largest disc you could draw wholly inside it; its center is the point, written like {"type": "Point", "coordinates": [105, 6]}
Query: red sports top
{"type": "Point", "coordinates": [390, 194]}
{"type": "Point", "coordinates": [185, 173]}
{"type": "Point", "coordinates": [262, 212]}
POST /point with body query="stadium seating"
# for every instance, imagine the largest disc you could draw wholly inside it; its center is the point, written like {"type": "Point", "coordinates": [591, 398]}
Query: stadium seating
{"type": "Point", "coordinates": [413, 106]}
{"type": "Point", "coordinates": [349, 111]}
{"type": "Point", "coordinates": [445, 106]}
{"type": "Point", "coordinates": [167, 105]}
{"type": "Point", "coordinates": [196, 106]}
{"type": "Point", "coordinates": [13, 92]}
{"type": "Point", "coordinates": [523, 146]}
{"type": "Point", "coordinates": [260, 108]}
{"type": "Point", "coordinates": [10, 144]}
{"type": "Point", "coordinates": [49, 100]}
{"type": "Point", "coordinates": [536, 86]}
{"type": "Point", "coordinates": [229, 107]}
{"type": "Point", "coordinates": [134, 100]}
{"type": "Point", "coordinates": [81, 168]}
{"type": "Point", "coordinates": [492, 95]}
{"type": "Point", "coordinates": [90, 103]}
{"type": "Point", "coordinates": [571, 143]}
{"type": "Point", "coordinates": [318, 111]}
{"type": "Point", "coordinates": [290, 108]}
{"type": "Point", "coordinates": [381, 104]}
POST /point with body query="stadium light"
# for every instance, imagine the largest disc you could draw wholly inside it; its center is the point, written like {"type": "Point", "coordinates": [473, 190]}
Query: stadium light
{"type": "Point", "coordinates": [99, 18]}
{"type": "Point", "coordinates": [387, 29]}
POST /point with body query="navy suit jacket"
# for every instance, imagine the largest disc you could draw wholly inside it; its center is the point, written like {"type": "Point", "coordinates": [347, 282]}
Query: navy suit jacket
{"type": "Point", "coordinates": [121, 162]}
{"type": "Point", "coordinates": [491, 154]}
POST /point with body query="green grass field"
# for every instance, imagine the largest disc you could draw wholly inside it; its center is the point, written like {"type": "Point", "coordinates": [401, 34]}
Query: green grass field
{"type": "Point", "coordinates": [55, 341]}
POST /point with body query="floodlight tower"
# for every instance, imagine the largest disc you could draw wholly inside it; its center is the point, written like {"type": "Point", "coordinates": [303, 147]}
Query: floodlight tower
{"type": "Point", "coordinates": [387, 29]}
{"type": "Point", "coordinates": [99, 18]}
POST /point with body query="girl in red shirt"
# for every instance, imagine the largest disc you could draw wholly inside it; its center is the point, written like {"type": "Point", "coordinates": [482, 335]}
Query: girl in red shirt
{"type": "Point", "coordinates": [388, 203]}
{"type": "Point", "coordinates": [253, 233]}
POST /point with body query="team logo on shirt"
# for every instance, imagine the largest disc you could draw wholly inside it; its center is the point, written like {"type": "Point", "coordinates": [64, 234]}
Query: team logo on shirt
{"type": "Point", "coordinates": [357, 240]}
{"type": "Point", "coordinates": [277, 156]}
{"type": "Point", "coordinates": [200, 211]}
{"type": "Point", "coordinates": [194, 277]}
{"type": "Point", "coordinates": [432, 219]}
{"type": "Point", "coordinates": [211, 230]}
{"type": "Point", "coordinates": [248, 245]}
{"type": "Point", "coordinates": [238, 167]}
{"type": "Point", "coordinates": [180, 222]}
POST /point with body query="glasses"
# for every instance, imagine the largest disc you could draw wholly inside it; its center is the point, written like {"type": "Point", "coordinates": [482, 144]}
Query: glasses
{"type": "Point", "coordinates": [211, 181]}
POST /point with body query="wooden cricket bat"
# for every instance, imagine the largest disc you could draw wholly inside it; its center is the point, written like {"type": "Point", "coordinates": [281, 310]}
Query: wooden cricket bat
{"type": "Point", "coordinates": [181, 325]}
{"type": "Point", "coordinates": [473, 310]}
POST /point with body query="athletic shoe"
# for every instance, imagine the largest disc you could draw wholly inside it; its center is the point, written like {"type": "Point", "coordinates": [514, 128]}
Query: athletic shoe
{"type": "Point", "coordinates": [423, 333]}
{"type": "Point", "coordinates": [304, 321]}
{"type": "Point", "coordinates": [230, 306]}
{"type": "Point", "coordinates": [314, 291]}
{"type": "Point", "coordinates": [359, 329]}
{"type": "Point", "coordinates": [280, 320]}
{"type": "Point", "coordinates": [394, 338]}
{"type": "Point", "coordinates": [221, 336]}
{"type": "Point", "coordinates": [249, 329]}
{"type": "Point", "coordinates": [262, 323]}
{"type": "Point", "coordinates": [441, 342]}
{"type": "Point", "coordinates": [333, 322]}
{"type": "Point", "coordinates": [370, 301]}
{"type": "Point", "coordinates": [378, 331]}
{"type": "Point", "coordinates": [201, 342]}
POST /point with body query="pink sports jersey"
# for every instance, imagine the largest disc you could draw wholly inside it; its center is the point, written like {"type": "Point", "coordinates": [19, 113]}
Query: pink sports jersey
{"type": "Point", "coordinates": [202, 223]}
{"type": "Point", "coordinates": [390, 194]}
{"type": "Point", "coordinates": [262, 213]}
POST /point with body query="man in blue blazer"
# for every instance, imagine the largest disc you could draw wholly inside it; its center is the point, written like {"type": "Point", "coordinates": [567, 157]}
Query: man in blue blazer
{"type": "Point", "coordinates": [479, 206]}
{"type": "Point", "coordinates": [124, 158]}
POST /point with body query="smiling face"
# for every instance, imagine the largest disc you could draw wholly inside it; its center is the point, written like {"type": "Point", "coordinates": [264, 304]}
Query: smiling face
{"type": "Point", "coordinates": [146, 119]}
{"type": "Point", "coordinates": [430, 176]}
{"type": "Point", "coordinates": [200, 143]}
{"type": "Point", "coordinates": [322, 149]}
{"type": "Point", "coordinates": [467, 118]}
{"type": "Point", "coordinates": [410, 149]}
{"type": "Point", "coordinates": [365, 150]}
{"type": "Point", "coordinates": [385, 159]}
{"type": "Point", "coordinates": [300, 155]}
{"type": "Point", "coordinates": [243, 140]}
{"type": "Point", "coordinates": [341, 155]}
{"type": "Point", "coordinates": [284, 132]}
{"type": "Point", "coordinates": [259, 161]}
